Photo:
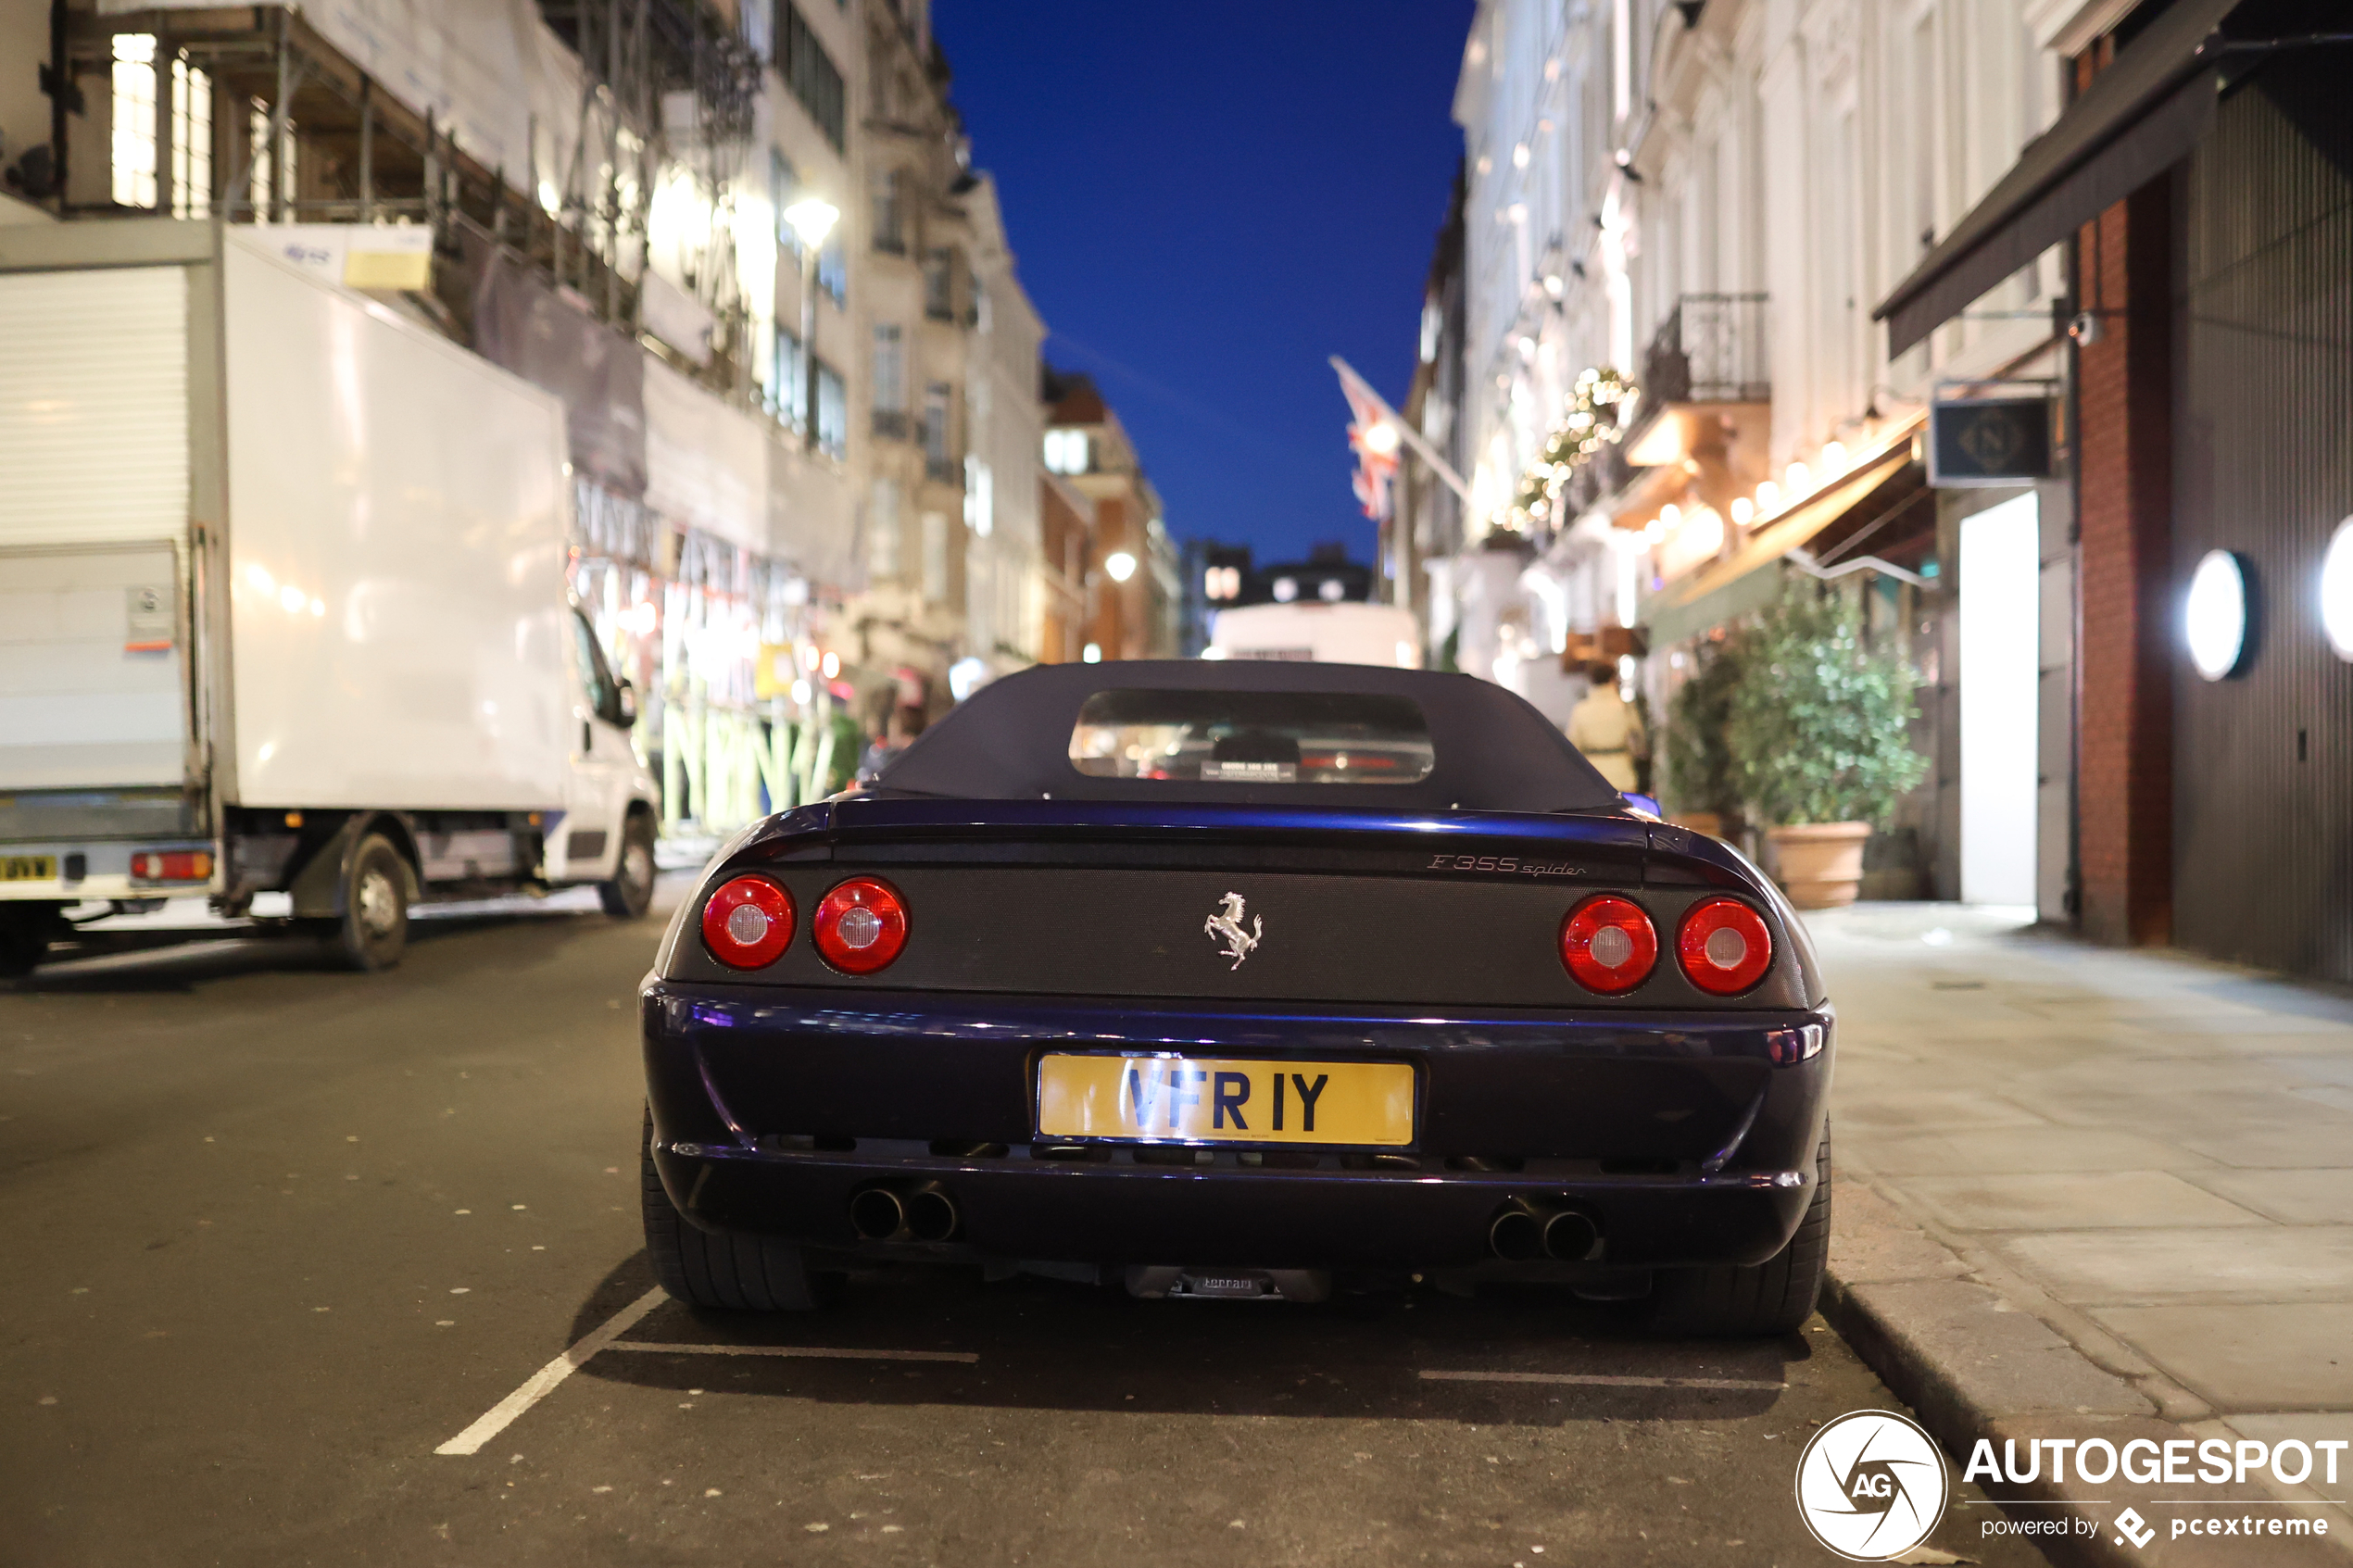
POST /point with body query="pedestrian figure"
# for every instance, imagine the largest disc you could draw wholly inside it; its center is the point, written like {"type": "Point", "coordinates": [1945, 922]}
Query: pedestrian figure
{"type": "Point", "coordinates": [1605, 727]}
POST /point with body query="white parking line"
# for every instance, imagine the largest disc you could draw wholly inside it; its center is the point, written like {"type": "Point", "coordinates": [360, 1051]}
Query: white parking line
{"type": "Point", "coordinates": [826, 1352]}
{"type": "Point", "coordinates": [543, 1382]}
{"type": "Point", "coordinates": [1594, 1379]}
{"type": "Point", "coordinates": [607, 1337]}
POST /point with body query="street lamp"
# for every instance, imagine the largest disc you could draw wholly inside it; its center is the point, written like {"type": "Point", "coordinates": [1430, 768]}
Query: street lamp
{"type": "Point", "coordinates": [1121, 565]}
{"type": "Point", "coordinates": [811, 218]}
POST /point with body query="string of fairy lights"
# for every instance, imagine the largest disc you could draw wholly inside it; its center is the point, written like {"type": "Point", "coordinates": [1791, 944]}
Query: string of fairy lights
{"type": "Point", "coordinates": [1595, 418]}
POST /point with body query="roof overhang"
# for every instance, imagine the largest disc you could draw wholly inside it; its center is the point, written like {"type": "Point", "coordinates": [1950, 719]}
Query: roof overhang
{"type": "Point", "coordinates": [2138, 118]}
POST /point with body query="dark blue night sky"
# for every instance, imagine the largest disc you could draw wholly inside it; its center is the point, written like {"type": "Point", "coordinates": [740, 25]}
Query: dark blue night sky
{"type": "Point", "coordinates": [1208, 198]}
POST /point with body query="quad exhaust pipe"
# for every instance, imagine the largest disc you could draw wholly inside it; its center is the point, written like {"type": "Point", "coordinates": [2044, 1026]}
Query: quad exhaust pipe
{"type": "Point", "coordinates": [1524, 1232]}
{"type": "Point", "coordinates": [923, 1214]}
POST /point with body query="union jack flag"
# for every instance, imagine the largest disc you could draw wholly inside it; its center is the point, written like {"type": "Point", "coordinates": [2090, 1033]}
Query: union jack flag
{"type": "Point", "coordinates": [1376, 455]}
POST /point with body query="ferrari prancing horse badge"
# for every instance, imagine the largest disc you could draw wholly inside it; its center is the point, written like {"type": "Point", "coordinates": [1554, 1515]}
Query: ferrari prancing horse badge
{"type": "Point", "coordinates": [1226, 927]}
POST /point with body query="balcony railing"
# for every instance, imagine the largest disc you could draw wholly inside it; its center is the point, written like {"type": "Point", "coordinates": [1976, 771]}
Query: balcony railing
{"type": "Point", "coordinates": [1711, 349]}
{"type": "Point", "coordinates": [890, 423]}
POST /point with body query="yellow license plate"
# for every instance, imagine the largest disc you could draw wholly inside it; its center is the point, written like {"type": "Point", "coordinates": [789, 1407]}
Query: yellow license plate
{"type": "Point", "coordinates": [1211, 1099]}
{"type": "Point", "coordinates": [28, 868]}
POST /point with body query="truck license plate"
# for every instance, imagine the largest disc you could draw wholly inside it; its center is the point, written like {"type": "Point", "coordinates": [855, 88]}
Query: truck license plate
{"type": "Point", "coordinates": [1204, 1099]}
{"type": "Point", "coordinates": [28, 868]}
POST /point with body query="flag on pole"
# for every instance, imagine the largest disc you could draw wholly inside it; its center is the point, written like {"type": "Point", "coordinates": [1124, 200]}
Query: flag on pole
{"type": "Point", "coordinates": [1372, 435]}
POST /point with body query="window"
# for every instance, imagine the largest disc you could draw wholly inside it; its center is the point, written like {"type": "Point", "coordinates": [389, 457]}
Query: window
{"type": "Point", "coordinates": [891, 234]}
{"type": "Point", "coordinates": [833, 412]}
{"type": "Point", "coordinates": [191, 140]}
{"type": "Point", "coordinates": [809, 72]}
{"type": "Point", "coordinates": [939, 285]}
{"type": "Point", "coordinates": [937, 463]}
{"type": "Point", "coordinates": [760, 28]}
{"type": "Point", "coordinates": [789, 390]}
{"type": "Point", "coordinates": [935, 557]}
{"type": "Point", "coordinates": [596, 675]}
{"type": "Point", "coordinates": [882, 535]}
{"type": "Point", "coordinates": [890, 370]}
{"type": "Point", "coordinates": [269, 188]}
{"type": "Point", "coordinates": [134, 120]}
{"type": "Point", "coordinates": [1066, 451]}
{"type": "Point", "coordinates": [833, 270]}
{"type": "Point", "coordinates": [1251, 737]}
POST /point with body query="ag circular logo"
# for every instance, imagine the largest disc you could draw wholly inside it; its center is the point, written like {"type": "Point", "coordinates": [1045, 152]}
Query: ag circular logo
{"type": "Point", "coordinates": [1871, 1486]}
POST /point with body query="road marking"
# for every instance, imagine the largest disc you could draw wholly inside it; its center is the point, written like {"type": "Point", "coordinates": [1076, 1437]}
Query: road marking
{"type": "Point", "coordinates": [815, 1351]}
{"type": "Point", "coordinates": [543, 1382]}
{"type": "Point", "coordinates": [1742, 1384]}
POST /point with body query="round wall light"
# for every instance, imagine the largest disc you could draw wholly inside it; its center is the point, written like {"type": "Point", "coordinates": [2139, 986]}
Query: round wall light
{"type": "Point", "coordinates": [2337, 590]}
{"type": "Point", "coordinates": [2214, 617]}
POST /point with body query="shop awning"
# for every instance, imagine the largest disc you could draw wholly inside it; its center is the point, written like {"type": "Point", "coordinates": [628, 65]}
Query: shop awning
{"type": "Point", "coordinates": [2138, 118]}
{"type": "Point", "coordinates": [1742, 580]}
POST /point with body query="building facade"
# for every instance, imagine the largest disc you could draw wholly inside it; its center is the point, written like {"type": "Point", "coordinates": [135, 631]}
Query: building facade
{"type": "Point", "coordinates": [1134, 595]}
{"type": "Point", "coordinates": [1682, 229]}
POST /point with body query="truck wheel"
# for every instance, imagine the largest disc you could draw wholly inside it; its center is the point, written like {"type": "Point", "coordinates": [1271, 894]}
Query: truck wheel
{"type": "Point", "coordinates": [373, 931]}
{"type": "Point", "coordinates": [730, 1270]}
{"type": "Point", "coordinates": [630, 892]}
{"type": "Point", "coordinates": [25, 932]}
{"type": "Point", "coordinates": [1774, 1296]}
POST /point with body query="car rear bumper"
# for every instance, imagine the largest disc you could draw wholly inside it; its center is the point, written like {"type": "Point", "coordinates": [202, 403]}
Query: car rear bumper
{"type": "Point", "coordinates": [1678, 1136]}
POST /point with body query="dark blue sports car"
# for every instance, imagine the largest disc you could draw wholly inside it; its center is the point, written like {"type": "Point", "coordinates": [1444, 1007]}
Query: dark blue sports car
{"type": "Point", "coordinates": [1241, 979]}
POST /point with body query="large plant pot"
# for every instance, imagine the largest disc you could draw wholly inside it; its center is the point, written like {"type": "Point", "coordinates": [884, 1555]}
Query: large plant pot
{"type": "Point", "coordinates": [1821, 863]}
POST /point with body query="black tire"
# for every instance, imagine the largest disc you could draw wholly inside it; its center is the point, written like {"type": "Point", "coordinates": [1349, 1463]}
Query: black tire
{"type": "Point", "coordinates": [729, 1270]}
{"type": "Point", "coordinates": [630, 892]}
{"type": "Point", "coordinates": [1774, 1296]}
{"type": "Point", "coordinates": [25, 931]}
{"type": "Point", "coordinates": [372, 932]}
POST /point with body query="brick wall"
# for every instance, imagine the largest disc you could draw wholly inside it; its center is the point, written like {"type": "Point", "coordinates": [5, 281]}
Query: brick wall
{"type": "Point", "coordinates": [2125, 503]}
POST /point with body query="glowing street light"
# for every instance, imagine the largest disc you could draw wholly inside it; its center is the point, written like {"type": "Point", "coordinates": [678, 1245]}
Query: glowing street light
{"type": "Point", "coordinates": [1121, 565]}
{"type": "Point", "coordinates": [813, 218]}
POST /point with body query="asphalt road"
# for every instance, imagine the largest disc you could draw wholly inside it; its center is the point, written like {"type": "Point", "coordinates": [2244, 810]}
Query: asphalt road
{"type": "Point", "coordinates": [276, 1234]}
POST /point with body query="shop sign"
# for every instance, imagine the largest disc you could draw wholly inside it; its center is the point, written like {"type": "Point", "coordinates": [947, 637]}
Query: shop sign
{"type": "Point", "coordinates": [1989, 441]}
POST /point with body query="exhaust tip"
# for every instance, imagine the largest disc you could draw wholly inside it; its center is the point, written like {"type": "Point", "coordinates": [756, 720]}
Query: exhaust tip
{"type": "Point", "coordinates": [876, 1214]}
{"type": "Point", "coordinates": [931, 1215]}
{"type": "Point", "coordinates": [1570, 1236]}
{"type": "Point", "coordinates": [1515, 1236]}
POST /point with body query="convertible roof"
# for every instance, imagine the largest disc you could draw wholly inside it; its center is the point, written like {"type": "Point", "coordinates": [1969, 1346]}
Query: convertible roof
{"type": "Point", "coordinates": [1011, 741]}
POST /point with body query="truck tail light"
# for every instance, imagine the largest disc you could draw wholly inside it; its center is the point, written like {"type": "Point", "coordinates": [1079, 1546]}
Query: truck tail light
{"type": "Point", "coordinates": [172, 865]}
{"type": "Point", "coordinates": [747, 924]}
{"type": "Point", "coordinates": [1723, 945]}
{"type": "Point", "coordinates": [1608, 945]}
{"type": "Point", "coordinates": [860, 926]}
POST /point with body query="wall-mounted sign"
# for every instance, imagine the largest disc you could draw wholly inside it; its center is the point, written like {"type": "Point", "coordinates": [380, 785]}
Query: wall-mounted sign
{"type": "Point", "coordinates": [1989, 441]}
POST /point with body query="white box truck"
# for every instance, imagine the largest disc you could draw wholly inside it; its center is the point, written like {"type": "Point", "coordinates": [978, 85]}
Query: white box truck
{"type": "Point", "coordinates": [282, 606]}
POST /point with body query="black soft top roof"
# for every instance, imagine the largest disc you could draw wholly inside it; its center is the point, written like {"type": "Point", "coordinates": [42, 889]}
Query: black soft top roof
{"type": "Point", "coordinates": [1011, 741]}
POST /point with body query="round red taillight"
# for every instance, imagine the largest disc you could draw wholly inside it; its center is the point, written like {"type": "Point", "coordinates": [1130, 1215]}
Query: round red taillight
{"type": "Point", "coordinates": [1608, 945]}
{"type": "Point", "coordinates": [1723, 945]}
{"type": "Point", "coordinates": [860, 926]}
{"type": "Point", "coordinates": [747, 924]}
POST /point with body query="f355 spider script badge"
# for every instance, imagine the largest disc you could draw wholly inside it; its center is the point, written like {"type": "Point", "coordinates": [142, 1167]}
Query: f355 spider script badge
{"type": "Point", "coordinates": [1226, 926]}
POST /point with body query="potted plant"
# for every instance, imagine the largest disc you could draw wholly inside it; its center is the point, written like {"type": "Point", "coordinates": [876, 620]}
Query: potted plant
{"type": "Point", "coordinates": [1703, 787]}
{"type": "Point", "coordinates": [1818, 728]}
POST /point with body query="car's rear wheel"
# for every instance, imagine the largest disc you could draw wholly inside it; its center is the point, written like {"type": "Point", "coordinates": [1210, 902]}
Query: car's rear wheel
{"type": "Point", "coordinates": [1774, 1296]}
{"type": "Point", "coordinates": [730, 1270]}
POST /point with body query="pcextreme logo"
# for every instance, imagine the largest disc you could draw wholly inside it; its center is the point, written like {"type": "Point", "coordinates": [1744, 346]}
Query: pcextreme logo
{"type": "Point", "coordinates": [1871, 1486]}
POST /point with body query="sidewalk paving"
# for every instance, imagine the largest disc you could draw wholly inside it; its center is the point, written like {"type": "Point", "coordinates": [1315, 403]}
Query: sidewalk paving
{"type": "Point", "coordinates": [2080, 1185]}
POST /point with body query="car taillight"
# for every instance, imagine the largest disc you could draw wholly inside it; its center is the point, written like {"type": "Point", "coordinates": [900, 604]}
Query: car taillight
{"type": "Point", "coordinates": [172, 865]}
{"type": "Point", "coordinates": [1608, 945]}
{"type": "Point", "coordinates": [747, 924]}
{"type": "Point", "coordinates": [1723, 945]}
{"type": "Point", "coordinates": [860, 926]}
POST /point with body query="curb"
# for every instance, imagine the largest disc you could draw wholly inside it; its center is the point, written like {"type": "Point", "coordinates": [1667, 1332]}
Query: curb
{"type": "Point", "coordinates": [1974, 1365]}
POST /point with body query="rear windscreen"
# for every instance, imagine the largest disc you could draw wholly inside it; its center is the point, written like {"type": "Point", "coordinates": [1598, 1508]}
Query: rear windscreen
{"type": "Point", "coordinates": [1251, 737]}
